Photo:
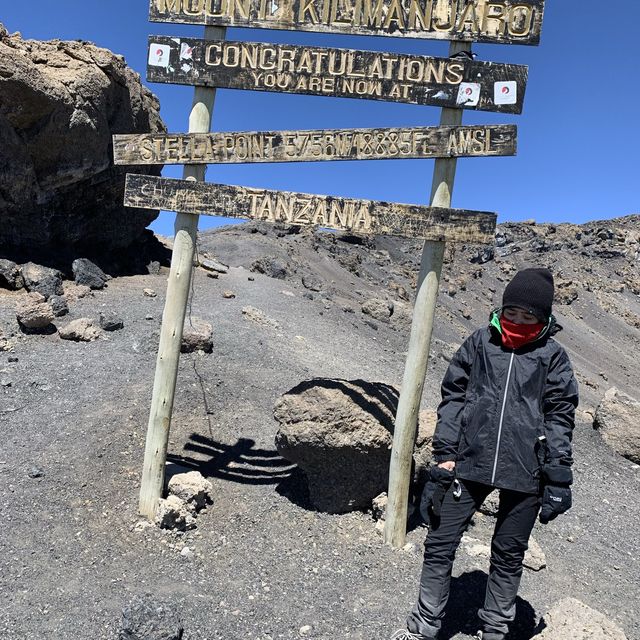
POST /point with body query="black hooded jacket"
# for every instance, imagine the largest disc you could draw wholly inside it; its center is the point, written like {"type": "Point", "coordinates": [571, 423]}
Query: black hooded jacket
{"type": "Point", "coordinates": [496, 405]}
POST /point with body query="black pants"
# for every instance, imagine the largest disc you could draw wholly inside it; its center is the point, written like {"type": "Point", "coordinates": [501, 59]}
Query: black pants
{"type": "Point", "coordinates": [516, 517]}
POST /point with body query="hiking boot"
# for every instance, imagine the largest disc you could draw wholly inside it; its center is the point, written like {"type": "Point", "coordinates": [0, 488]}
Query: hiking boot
{"type": "Point", "coordinates": [404, 634]}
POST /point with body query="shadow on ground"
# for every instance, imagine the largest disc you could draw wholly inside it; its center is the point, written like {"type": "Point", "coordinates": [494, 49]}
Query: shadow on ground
{"type": "Point", "coordinates": [467, 596]}
{"type": "Point", "coordinates": [241, 462]}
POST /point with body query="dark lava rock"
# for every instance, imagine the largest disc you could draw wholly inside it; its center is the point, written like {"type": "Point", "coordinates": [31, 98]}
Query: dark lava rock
{"type": "Point", "coordinates": [270, 266]}
{"type": "Point", "coordinates": [59, 306]}
{"type": "Point", "coordinates": [110, 321]}
{"type": "Point", "coordinates": [148, 618]}
{"type": "Point", "coordinates": [10, 276]}
{"type": "Point", "coordinates": [89, 274]}
{"type": "Point", "coordinates": [43, 280]}
{"type": "Point", "coordinates": [482, 256]}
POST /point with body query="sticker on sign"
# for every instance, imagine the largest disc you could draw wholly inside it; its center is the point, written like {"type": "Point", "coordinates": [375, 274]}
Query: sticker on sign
{"type": "Point", "coordinates": [505, 92]}
{"type": "Point", "coordinates": [159, 55]}
{"type": "Point", "coordinates": [469, 94]}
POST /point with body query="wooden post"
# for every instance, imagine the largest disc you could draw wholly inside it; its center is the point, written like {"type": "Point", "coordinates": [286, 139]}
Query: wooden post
{"type": "Point", "coordinates": [175, 310]}
{"type": "Point", "coordinates": [419, 343]}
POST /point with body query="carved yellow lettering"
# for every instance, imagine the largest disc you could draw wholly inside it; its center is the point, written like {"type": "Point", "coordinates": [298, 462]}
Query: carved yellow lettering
{"type": "Point", "coordinates": [308, 7]}
{"type": "Point", "coordinates": [193, 7]}
{"type": "Point", "coordinates": [366, 15]}
{"type": "Point", "coordinates": [454, 72]}
{"type": "Point", "coordinates": [284, 208]}
{"type": "Point", "coordinates": [521, 20]}
{"type": "Point", "coordinates": [468, 16]}
{"type": "Point", "coordinates": [212, 57]}
{"type": "Point", "coordinates": [248, 57]}
{"type": "Point", "coordinates": [164, 6]}
{"type": "Point", "coordinates": [267, 58]}
{"type": "Point", "coordinates": [146, 149]}
{"type": "Point", "coordinates": [395, 14]}
{"type": "Point", "coordinates": [419, 18]}
{"type": "Point", "coordinates": [241, 8]}
{"type": "Point", "coordinates": [498, 16]}
{"type": "Point", "coordinates": [434, 72]}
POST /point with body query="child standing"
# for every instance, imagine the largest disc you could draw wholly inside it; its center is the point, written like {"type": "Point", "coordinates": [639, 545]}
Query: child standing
{"type": "Point", "coordinates": [505, 422]}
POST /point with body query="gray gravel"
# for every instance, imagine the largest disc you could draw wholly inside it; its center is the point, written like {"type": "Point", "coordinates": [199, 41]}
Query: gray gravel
{"type": "Point", "coordinates": [73, 552]}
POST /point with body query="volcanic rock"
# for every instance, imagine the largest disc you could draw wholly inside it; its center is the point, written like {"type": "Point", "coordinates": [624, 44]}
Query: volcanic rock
{"type": "Point", "coordinates": [147, 618]}
{"type": "Point", "coordinates": [59, 306]}
{"type": "Point", "coordinates": [33, 312]}
{"type": "Point", "coordinates": [43, 280]}
{"type": "Point", "coordinates": [174, 513]}
{"type": "Point", "coordinates": [89, 274]}
{"type": "Point", "coordinates": [10, 276]}
{"type": "Point", "coordinates": [110, 321]}
{"type": "Point", "coordinates": [573, 619]}
{"type": "Point", "coordinates": [618, 420]}
{"type": "Point", "coordinates": [197, 336]}
{"type": "Point", "coordinates": [192, 488]}
{"type": "Point", "coordinates": [378, 309]}
{"type": "Point", "coordinates": [339, 432]}
{"type": "Point", "coordinates": [80, 330]}
{"type": "Point", "coordinates": [60, 104]}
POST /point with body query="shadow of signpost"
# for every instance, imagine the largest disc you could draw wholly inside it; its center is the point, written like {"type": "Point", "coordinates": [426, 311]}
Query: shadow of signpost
{"type": "Point", "coordinates": [241, 462]}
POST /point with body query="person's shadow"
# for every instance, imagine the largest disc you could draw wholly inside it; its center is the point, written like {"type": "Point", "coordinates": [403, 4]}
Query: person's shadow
{"type": "Point", "coordinates": [467, 596]}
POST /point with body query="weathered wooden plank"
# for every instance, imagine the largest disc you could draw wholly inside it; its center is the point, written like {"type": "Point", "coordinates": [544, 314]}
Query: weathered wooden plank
{"type": "Point", "coordinates": [316, 145]}
{"type": "Point", "coordinates": [442, 82]}
{"type": "Point", "coordinates": [357, 216]}
{"type": "Point", "coordinates": [497, 21]}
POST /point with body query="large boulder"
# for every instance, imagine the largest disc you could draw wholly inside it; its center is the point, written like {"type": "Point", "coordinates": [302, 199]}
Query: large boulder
{"type": "Point", "coordinates": [60, 103]}
{"type": "Point", "coordinates": [618, 420]}
{"type": "Point", "coordinates": [340, 432]}
{"type": "Point", "coordinates": [574, 620]}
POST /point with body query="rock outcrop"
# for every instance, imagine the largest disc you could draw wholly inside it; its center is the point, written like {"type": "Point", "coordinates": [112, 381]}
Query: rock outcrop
{"type": "Point", "coordinates": [340, 432]}
{"type": "Point", "coordinates": [60, 103]}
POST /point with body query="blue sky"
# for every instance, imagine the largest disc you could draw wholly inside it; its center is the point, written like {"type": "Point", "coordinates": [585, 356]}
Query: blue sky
{"type": "Point", "coordinates": [579, 133]}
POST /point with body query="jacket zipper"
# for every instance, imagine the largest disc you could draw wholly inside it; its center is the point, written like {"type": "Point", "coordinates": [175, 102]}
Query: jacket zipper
{"type": "Point", "coordinates": [504, 404]}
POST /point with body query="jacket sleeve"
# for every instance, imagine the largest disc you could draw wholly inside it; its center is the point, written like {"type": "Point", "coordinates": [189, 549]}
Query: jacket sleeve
{"type": "Point", "coordinates": [454, 390]}
{"type": "Point", "coordinates": [559, 406]}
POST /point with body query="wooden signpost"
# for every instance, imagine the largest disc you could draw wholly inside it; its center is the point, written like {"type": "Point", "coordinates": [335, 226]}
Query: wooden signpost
{"type": "Point", "coordinates": [344, 73]}
{"type": "Point", "coordinates": [314, 146]}
{"type": "Point", "coordinates": [343, 214]}
{"type": "Point", "coordinates": [497, 21]}
{"type": "Point", "coordinates": [455, 83]}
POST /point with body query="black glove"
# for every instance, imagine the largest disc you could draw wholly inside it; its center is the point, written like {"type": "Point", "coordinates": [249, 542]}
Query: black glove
{"type": "Point", "coordinates": [555, 500]}
{"type": "Point", "coordinates": [440, 480]}
{"type": "Point", "coordinates": [556, 497]}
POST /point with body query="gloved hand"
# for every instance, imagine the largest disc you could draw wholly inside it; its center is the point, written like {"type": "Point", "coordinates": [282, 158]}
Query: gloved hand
{"type": "Point", "coordinates": [440, 480]}
{"type": "Point", "coordinates": [555, 500]}
{"type": "Point", "coordinates": [556, 497]}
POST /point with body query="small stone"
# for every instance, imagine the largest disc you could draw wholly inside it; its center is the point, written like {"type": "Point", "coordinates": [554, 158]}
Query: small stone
{"type": "Point", "coordinates": [229, 295]}
{"type": "Point", "coordinates": [33, 312]}
{"type": "Point", "coordinates": [210, 264]}
{"type": "Point", "coordinates": [534, 557]}
{"type": "Point", "coordinates": [80, 330]}
{"type": "Point", "coordinates": [148, 317]}
{"type": "Point", "coordinates": [186, 552]}
{"type": "Point", "coordinates": [174, 513]}
{"type": "Point", "coordinates": [89, 274]}
{"type": "Point", "coordinates": [110, 321]}
{"type": "Point", "coordinates": [197, 336]}
{"type": "Point", "coordinates": [147, 618]}
{"type": "Point", "coordinates": [59, 306]}
{"type": "Point", "coordinates": [36, 472]}
{"type": "Point", "coordinates": [192, 488]}
{"type": "Point", "coordinates": [5, 380]}
{"type": "Point", "coordinates": [12, 359]}
{"type": "Point", "coordinates": [306, 630]}
{"type": "Point", "coordinates": [379, 506]}
{"type": "Point", "coordinates": [150, 293]}
{"type": "Point", "coordinates": [251, 279]}
{"type": "Point", "coordinates": [260, 317]}
{"type": "Point", "coordinates": [378, 309]}
{"type": "Point", "coordinates": [153, 268]}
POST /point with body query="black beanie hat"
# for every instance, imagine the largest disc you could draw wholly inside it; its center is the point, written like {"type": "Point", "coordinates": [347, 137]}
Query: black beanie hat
{"type": "Point", "coordinates": [531, 289]}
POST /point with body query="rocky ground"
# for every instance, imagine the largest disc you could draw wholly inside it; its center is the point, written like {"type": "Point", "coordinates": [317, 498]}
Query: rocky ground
{"type": "Point", "coordinates": [261, 563]}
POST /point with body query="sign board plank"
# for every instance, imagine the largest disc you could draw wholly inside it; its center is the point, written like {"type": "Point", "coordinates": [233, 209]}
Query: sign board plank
{"type": "Point", "coordinates": [315, 145]}
{"type": "Point", "coordinates": [496, 21]}
{"type": "Point", "coordinates": [357, 216]}
{"type": "Point", "coordinates": [346, 73]}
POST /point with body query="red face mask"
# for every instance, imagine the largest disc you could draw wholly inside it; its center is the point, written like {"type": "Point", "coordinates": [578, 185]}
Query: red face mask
{"type": "Point", "coordinates": [515, 335]}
